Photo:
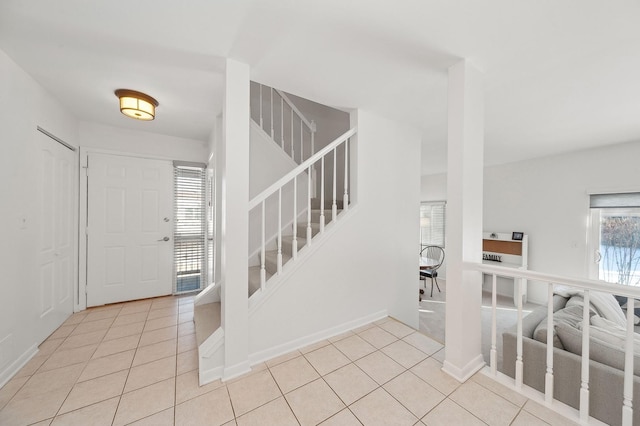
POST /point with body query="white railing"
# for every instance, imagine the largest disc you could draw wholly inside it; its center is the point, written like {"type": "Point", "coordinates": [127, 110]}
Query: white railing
{"type": "Point", "coordinates": [301, 173]}
{"type": "Point", "coordinates": [553, 282]}
{"type": "Point", "coordinates": [284, 122]}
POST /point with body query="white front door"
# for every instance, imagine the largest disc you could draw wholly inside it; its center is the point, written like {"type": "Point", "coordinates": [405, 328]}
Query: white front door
{"type": "Point", "coordinates": [56, 187]}
{"type": "Point", "coordinates": [129, 228]}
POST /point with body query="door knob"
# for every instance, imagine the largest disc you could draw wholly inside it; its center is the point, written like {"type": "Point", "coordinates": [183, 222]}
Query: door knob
{"type": "Point", "coordinates": [164, 239]}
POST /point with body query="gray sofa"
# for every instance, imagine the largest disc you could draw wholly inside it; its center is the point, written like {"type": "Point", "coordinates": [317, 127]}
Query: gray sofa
{"type": "Point", "coordinates": [605, 381]}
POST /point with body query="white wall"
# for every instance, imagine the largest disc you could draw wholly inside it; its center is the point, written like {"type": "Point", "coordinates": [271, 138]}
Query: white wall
{"type": "Point", "coordinates": [369, 266]}
{"type": "Point", "coordinates": [99, 136]}
{"type": "Point", "coordinates": [548, 198]}
{"type": "Point", "coordinates": [23, 106]}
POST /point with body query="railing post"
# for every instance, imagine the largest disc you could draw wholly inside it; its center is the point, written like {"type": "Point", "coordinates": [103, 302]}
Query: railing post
{"type": "Point", "coordinates": [309, 230]}
{"type": "Point", "coordinates": [263, 270]}
{"type": "Point", "coordinates": [584, 387]}
{"type": "Point", "coordinates": [548, 379]}
{"type": "Point", "coordinates": [302, 145]}
{"type": "Point", "coordinates": [493, 355]}
{"type": "Point", "coordinates": [282, 122]}
{"type": "Point", "coordinates": [313, 133]}
{"type": "Point", "coordinates": [322, 218]}
{"type": "Point", "coordinates": [261, 120]}
{"type": "Point", "coordinates": [334, 206]}
{"type": "Point", "coordinates": [519, 364]}
{"type": "Point", "coordinates": [279, 257]}
{"type": "Point", "coordinates": [627, 405]}
{"type": "Point", "coordinates": [294, 240]}
{"type": "Point", "coordinates": [292, 150]}
{"type": "Point", "coordinates": [271, 113]}
{"type": "Point", "coordinates": [345, 196]}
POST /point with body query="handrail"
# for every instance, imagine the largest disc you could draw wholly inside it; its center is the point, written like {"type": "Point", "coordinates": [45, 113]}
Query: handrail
{"type": "Point", "coordinates": [310, 124]}
{"type": "Point", "coordinates": [300, 168]}
{"type": "Point", "coordinates": [595, 285]}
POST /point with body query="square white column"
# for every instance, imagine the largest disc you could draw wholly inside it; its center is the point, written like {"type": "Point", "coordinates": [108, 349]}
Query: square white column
{"type": "Point", "coordinates": [235, 219]}
{"type": "Point", "coordinates": [463, 354]}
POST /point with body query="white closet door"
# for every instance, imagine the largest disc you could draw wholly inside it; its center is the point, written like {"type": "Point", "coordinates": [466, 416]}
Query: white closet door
{"type": "Point", "coordinates": [56, 208]}
{"type": "Point", "coordinates": [130, 228]}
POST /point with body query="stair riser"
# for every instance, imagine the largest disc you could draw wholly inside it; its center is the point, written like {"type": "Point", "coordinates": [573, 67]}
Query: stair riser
{"type": "Point", "coordinates": [302, 230]}
{"type": "Point", "coordinates": [287, 246]}
{"type": "Point", "coordinates": [328, 204]}
{"type": "Point", "coordinates": [328, 216]}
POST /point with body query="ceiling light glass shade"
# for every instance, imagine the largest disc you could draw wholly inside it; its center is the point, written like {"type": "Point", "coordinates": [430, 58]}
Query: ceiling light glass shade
{"type": "Point", "coordinates": [136, 104]}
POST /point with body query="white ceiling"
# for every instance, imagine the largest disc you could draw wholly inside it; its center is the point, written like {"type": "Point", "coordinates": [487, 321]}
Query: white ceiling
{"type": "Point", "coordinates": [559, 75]}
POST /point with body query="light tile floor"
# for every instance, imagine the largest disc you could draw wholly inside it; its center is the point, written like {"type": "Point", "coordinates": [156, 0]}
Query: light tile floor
{"type": "Point", "coordinates": [136, 363]}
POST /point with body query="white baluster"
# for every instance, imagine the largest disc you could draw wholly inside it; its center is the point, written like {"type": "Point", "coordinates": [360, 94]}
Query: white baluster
{"type": "Point", "coordinates": [345, 196]}
{"type": "Point", "coordinates": [279, 257]}
{"type": "Point", "coordinates": [493, 354]}
{"type": "Point", "coordinates": [519, 364]}
{"type": "Point", "coordinates": [261, 121]}
{"type": "Point", "coordinates": [627, 405]}
{"type": "Point", "coordinates": [292, 150]}
{"type": "Point", "coordinates": [584, 387]}
{"type": "Point", "coordinates": [302, 146]}
{"type": "Point", "coordinates": [271, 113]}
{"type": "Point", "coordinates": [294, 240]}
{"type": "Point", "coordinates": [322, 219]}
{"type": "Point", "coordinates": [548, 378]}
{"type": "Point", "coordinates": [309, 230]}
{"type": "Point", "coordinates": [282, 122]}
{"type": "Point", "coordinates": [313, 133]}
{"type": "Point", "coordinates": [263, 270]}
{"type": "Point", "coordinates": [334, 206]}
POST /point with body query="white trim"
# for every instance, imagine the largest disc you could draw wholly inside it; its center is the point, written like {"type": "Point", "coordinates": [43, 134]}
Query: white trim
{"type": "Point", "coordinates": [8, 373]}
{"type": "Point", "coordinates": [209, 376]}
{"type": "Point", "coordinates": [464, 373]}
{"type": "Point", "coordinates": [237, 370]}
{"type": "Point", "coordinates": [267, 354]}
{"type": "Point", "coordinates": [612, 190]}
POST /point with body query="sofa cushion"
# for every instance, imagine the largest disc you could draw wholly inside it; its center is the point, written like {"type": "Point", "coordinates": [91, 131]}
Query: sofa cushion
{"type": "Point", "coordinates": [571, 315]}
{"type": "Point", "coordinates": [600, 351]}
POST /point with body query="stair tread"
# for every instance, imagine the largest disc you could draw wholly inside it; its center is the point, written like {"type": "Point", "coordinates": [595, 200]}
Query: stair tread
{"type": "Point", "coordinates": [207, 319]}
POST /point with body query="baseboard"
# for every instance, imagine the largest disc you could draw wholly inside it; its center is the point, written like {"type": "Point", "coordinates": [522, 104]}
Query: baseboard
{"type": "Point", "coordinates": [301, 342]}
{"type": "Point", "coordinates": [15, 366]}
{"type": "Point", "coordinates": [209, 376]}
{"type": "Point", "coordinates": [236, 371]}
{"type": "Point", "coordinates": [462, 374]}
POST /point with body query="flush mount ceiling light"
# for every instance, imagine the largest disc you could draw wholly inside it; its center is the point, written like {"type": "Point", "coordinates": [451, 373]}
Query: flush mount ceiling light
{"type": "Point", "coordinates": [136, 104]}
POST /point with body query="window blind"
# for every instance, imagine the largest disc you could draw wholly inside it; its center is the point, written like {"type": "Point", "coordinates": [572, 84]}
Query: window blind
{"type": "Point", "coordinates": [190, 227]}
{"type": "Point", "coordinates": [620, 200]}
{"type": "Point", "coordinates": [432, 223]}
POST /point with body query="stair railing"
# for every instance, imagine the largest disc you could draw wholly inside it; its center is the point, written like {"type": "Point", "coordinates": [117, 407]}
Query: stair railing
{"type": "Point", "coordinates": [286, 125]}
{"type": "Point", "coordinates": [341, 144]}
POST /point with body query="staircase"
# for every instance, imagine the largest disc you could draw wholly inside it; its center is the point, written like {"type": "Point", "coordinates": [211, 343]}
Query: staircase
{"type": "Point", "coordinates": [287, 251]}
{"type": "Point", "coordinates": [290, 215]}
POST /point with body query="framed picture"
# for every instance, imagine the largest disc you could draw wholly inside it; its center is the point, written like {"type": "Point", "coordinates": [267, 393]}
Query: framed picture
{"type": "Point", "coordinates": [517, 236]}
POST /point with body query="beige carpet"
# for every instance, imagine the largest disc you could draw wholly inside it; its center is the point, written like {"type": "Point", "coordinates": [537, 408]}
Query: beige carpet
{"type": "Point", "coordinates": [432, 316]}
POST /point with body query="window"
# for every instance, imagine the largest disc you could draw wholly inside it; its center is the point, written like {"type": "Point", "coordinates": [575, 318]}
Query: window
{"type": "Point", "coordinates": [190, 227]}
{"type": "Point", "coordinates": [615, 236]}
{"type": "Point", "coordinates": [432, 224]}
